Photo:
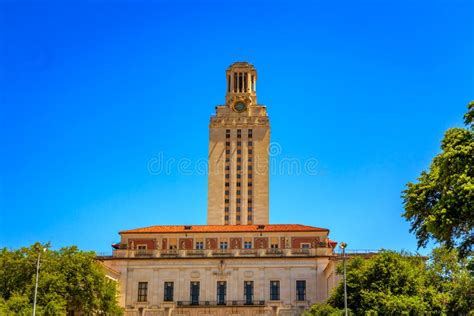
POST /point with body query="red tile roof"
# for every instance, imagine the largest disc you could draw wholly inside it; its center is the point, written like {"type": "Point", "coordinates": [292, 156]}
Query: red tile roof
{"type": "Point", "coordinates": [225, 229]}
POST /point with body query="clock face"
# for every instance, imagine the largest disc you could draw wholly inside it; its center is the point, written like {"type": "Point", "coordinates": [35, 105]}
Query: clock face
{"type": "Point", "coordinates": [240, 107]}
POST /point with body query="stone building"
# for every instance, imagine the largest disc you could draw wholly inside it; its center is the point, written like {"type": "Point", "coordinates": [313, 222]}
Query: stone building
{"type": "Point", "coordinates": [238, 264]}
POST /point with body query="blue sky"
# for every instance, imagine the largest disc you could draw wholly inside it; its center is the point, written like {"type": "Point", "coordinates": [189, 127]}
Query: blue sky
{"type": "Point", "coordinates": [91, 91]}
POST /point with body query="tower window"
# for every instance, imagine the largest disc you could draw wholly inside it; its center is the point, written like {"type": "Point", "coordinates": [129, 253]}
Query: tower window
{"type": "Point", "coordinates": [228, 83]}
{"type": "Point", "coordinates": [235, 82]}
{"type": "Point", "coordinates": [240, 82]}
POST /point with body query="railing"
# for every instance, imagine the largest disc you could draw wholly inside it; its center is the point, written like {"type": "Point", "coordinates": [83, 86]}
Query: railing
{"type": "Point", "coordinates": [219, 303]}
{"type": "Point", "coordinates": [193, 253]}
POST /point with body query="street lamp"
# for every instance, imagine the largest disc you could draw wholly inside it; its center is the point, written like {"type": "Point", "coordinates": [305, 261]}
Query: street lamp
{"type": "Point", "coordinates": [343, 246]}
{"type": "Point", "coordinates": [36, 284]}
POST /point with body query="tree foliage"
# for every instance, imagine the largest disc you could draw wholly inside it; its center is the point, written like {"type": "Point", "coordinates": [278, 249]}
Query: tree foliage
{"type": "Point", "coordinates": [69, 279]}
{"type": "Point", "coordinates": [392, 283]}
{"type": "Point", "coordinates": [440, 205]}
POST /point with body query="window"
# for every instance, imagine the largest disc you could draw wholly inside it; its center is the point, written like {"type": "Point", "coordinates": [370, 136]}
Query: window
{"type": "Point", "coordinates": [238, 208]}
{"type": "Point", "coordinates": [227, 167]}
{"type": "Point", "coordinates": [227, 176]}
{"type": "Point", "coordinates": [226, 218]}
{"type": "Point", "coordinates": [250, 143]}
{"type": "Point", "coordinates": [247, 245]}
{"type": "Point", "coordinates": [239, 143]}
{"type": "Point", "coordinates": [227, 151]}
{"type": "Point", "coordinates": [239, 167]}
{"type": "Point", "coordinates": [142, 291]}
{"type": "Point", "coordinates": [141, 247]}
{"type": "Point", "coordinates": [250, 133]}
{"type": "Point", "coordinates": [238, 192]}
{"type": "Point", "coordinates": [227, 143]}
{"type": "Point", "coordinates": [250, 151]}
{"type": "Point", "coordinates": [226, 208]}
{"type": "Point", "coordinates": [221, 292]}
{"type": "Point", "coordinates": [305, 246]}
{"type": "Point", "coordinates": [239, 159]}
{"type": "Point", "coordinates": [226, 192]}
{"type": "Point", "coordinates": [238, 184]}
{"type": "Point", "coordinates": [224, 245]}
{"type": "Point", "coordinates": [237, 200]}
{"type": "Point", "coordinates": [194, 291]}
{"type": "Point", "coordinates": [248, 292]}
{"type": "Point", "coordinates": [250, 176]}
{"type": "Point", "coordinates": [239, 151]}
{"type": "Point", "coordinates": [249, 218]}
{"type": "Point", "coordinates": [250, 192]}
{"type": "Point", "coordinates": [226, 201]}
{"type": "Point", "coordinates": [250, 209]}
{"type": "Point", "coordinates": [250, 168]}
{"type": "Point", "coordinates": [199, 245]}
{"type": "Point", "coordinates": [227, 183]}
{"type": "Point", "coordinates": [301, 290]}
{"type": "Point", "coordinates": [249, 184]}
{"type": "Point", "coordinates": [238, 218]}
{"type": "Point", "coordinates": [274, 290]}
{"type": "Point", "coordinates": [274, 246]}
{"type": "Point", "coordinates": [168, 291]}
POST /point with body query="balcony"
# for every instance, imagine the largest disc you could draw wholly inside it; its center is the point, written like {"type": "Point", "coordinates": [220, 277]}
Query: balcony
{"type": "Point", "coordinates": [220, 304]}
{"type": "Point", "coordinates": [221, 253]}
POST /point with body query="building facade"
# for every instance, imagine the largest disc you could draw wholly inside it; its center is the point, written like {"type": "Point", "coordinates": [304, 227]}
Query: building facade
{"type": "Point", "coordinates": [238, 264]}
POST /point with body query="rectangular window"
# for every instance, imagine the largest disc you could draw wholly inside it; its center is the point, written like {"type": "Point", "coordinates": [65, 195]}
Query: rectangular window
{"type": "Point", "coordinates": [250, 132]}
{"type": "Point", "coordinates": [226, 218]}
{"type": "Point", "coordinates": [274, 246]}
{"type": "Point", "coordinates": [250, 160]}
{"type": "Point", "coordinates": [226, 201]}
{"type": "Point", "coordinates": [221, 292]}
{"type": "Point", "coordinates": [194, 293]}
{"type": "Point", "coordinates": [224, 245]}
{"type": "Point", "coordinates": [227, 183]}
{"type": "Point", "coordinates": [199, 245]}
{"type": "Point", "coordinates": [238, 184]}
{"type": "Point", "coordinates": [249, 218]}
{"type": "Point", "coordinates": [274, 290]}
{"type": "Point", "coordinates": [248, 292]}
{"type": "Point", "coordinates": [249, 184]}
{"type": "Point", "coordinates": [250, 143]}
{"type": "Point", "coordinates": [238, 192]}
{"type": "Point", "coordinates": [239, 159]}
{"type": "Point", "coordinates": [169, 286]}
{"type": "Point", "coordinates": [250, 151]}
{"type": "Point", "coordinates": [226, 192]}
{"type": "Point", "coordinates": [142, 291]}
{"type": "Point", "coordinates": [301, 290]}
{"type": "Point", "coordinates": [249, 209]}
{"type": "Point", "coordinates": [227, 151]}
{"type": "Point", "coordinates": [227, 143]}
{"type": "Point", "coordinates": [237, 218]}
{"type": "Point", "coordinates": [305, 246]}
{"type": "Point", "coordinates": [248, 245]}
{"type": "Point", "coordinates": [226, 208]}
{"type": "Point", "coordinates": [239, 143]}
{"type": "Point", "coordinates": [239, 151]}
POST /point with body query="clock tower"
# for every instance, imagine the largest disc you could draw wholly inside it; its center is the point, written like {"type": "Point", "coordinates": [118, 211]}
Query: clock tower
{"type": "Point", "coordinates": [239, 136]}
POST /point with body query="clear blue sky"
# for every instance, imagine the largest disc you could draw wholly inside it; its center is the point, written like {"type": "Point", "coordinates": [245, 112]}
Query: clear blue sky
{"type": "Point", "coordinates": [92, 90]}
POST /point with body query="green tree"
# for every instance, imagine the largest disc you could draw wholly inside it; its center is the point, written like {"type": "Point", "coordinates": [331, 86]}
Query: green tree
{"type": "Point", "coordinates": [392, 283]}
{"type": "Point", "coordinates": [70, 279]}
{"type": "Point", "coordinates": [440, 205]}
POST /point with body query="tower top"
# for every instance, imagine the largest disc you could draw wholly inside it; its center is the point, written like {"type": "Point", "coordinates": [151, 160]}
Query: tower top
{"type": "Point", "coordinates": [241, 83]}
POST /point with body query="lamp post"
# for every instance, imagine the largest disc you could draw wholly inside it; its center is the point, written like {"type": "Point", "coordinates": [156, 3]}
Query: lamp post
{"type": "Point", "coordinates": [36, 284]}
{"type": "Point", "coordinates": [343, 246]}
